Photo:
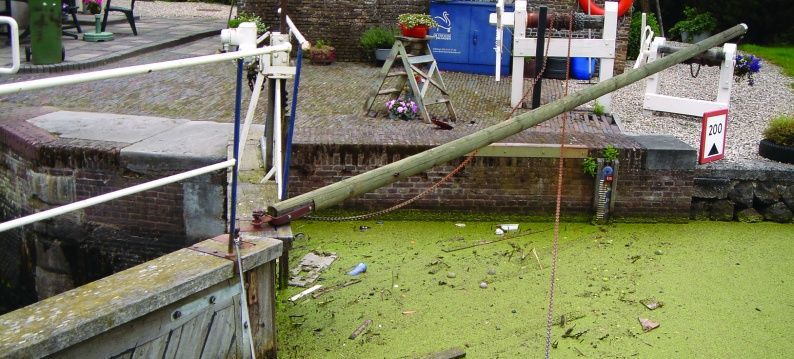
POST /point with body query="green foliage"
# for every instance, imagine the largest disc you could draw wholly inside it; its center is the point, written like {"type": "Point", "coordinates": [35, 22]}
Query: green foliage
{"type": "Point", "coordinates": [377, 38]}
{"type": "Point", "coordinates": [261, 28]}
{"type": "Point", "coordinates": [635, 33]}
{"type": "Point", "coordinates": [694, 22]}
{"type": "Point", "coordinates": [598, 108]}
{"type": "Point", "coordinates": [610, 153]}
{"type": "Point", "coordinates": [589, 166]}
{"type": "Point", "coordinates": [413, 20]}
{"type": "Point", "coordinates": [321, 44]}
{"type": "Point", "coordinates": [781, 130]}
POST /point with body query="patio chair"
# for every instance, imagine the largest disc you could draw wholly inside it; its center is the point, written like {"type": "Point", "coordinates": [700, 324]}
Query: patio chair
{"type": "Point", "coordinates": [69, 9]}
{"type": "Point", "coordinates": [126, 11]}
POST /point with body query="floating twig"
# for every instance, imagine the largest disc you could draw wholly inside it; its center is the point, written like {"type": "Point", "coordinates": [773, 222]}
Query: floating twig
{"type": "Point", "coordinates": [536, 258]}
{"type": "Point", "coordinates": [304, 293]}
{"type": "Point", "coordinates": [361, 328]}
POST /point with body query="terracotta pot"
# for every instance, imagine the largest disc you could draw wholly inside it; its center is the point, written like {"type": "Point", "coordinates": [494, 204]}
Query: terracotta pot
{"type": "Point", "coordinates": [419, 31]}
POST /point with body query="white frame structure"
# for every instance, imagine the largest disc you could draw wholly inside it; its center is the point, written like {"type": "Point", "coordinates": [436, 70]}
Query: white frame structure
{"type": "Point", "coordinates": [653, 101]}
{"type": "Point", "coordinates": [603, 48]}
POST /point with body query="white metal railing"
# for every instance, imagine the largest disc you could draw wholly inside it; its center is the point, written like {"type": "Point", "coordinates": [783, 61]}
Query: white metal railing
{"type": "Point", "coordinates": [14, 45]}
{"type": "Point", "coordinates": [247, 51]}
{"type": "Point", "coordinates": [17, 87]}
{"type": "Point", "coordinates": [19, 222]}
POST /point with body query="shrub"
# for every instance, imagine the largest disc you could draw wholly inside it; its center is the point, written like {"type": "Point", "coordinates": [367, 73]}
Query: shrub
{"type": "Point", "coordinates": [610, 153]}
{"type": "Point", "coordinates": [781, 130]}
{"type": "Point", "coordinates": [635, 32]}
{"type": "Point", "coordinates": [377, 38]}
{"type": "Point", "coordinates": [589, 166]}
{"type": "Point", "coordinates": [694, 22]}
{"type": "Point", "coordinates": [598, 108]}
{"type": "Point", "coordinates": [261, 28]}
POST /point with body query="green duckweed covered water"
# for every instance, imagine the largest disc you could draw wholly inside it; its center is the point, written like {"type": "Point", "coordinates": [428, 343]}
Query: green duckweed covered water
{"type": "Point", "coordinates": [727, 291]}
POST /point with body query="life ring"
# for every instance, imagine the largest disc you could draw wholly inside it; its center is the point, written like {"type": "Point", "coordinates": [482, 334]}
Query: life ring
{"type": "Point", "coordinates": [623, 6]}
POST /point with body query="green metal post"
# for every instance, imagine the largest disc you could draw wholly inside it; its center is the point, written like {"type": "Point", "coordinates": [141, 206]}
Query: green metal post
{"type": "Point", "coordinates": [45, 31]}
{"type": "Point", "coordinates": [335, 193]}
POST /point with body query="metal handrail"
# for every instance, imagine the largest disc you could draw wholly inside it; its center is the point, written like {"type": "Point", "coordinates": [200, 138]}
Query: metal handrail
{"type": "Point", "coordinates": [14, 45]}
{"type": "Point", "coordinates": [57, 211]}
{"type": "Point", "coordinates": [13, 88]}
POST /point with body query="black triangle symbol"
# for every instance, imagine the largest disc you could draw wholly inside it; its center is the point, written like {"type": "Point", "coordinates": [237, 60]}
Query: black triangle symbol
{"type": "Point", "coordinates": [714, 150]}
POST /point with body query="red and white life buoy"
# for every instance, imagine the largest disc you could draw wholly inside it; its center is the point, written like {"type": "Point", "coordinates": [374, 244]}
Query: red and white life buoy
{"type": "Point", "coordinates": [623, 6]}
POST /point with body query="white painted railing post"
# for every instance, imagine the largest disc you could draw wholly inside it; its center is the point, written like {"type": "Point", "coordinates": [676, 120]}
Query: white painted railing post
{"type": "Point", "coordinates": [519, 33]}
{"type": "Point", "coordinates": [14, 45]}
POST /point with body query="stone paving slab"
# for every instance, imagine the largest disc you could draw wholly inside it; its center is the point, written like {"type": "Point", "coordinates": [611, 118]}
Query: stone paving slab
{"type": "Point", "coordinates": [104, 126]}
{"type": "Point", "coordinates": [187, 146]}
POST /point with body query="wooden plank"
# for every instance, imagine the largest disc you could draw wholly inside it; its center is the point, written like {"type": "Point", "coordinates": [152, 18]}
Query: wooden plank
{"type": "Point", "coordinates": [194, 332]}
{"type": "Point", "coordinates": [151, 349]}
{"type": "Point", "coordinates": [686, 106]}
{"type": "Point", "coordinates": [173, 343]}
{"type": "Point", "coordinates": [220, 334]}
{"type": "Point", "coordinates": [263, 311]}
{"type": "Point", "coordinates": [421, 59]}
{"type": "Point", "coordinates": [601, 48]}
{"type": "Point", "coordinates": [453, 353]}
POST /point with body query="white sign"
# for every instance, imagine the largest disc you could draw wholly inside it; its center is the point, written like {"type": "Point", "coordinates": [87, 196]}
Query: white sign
{"type": "Point", "coordinates": [713, 135]}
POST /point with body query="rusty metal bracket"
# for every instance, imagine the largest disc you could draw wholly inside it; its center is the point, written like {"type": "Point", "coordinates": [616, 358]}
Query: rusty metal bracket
{"type": "Point", "coordinates": [208, 248]}
{"type": "Point", "coordinates": [260, 218]}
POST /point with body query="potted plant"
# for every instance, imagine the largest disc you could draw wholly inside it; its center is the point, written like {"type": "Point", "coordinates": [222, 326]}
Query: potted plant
{"type": "Point", "coordinates": [746, 66]}
{"type": "Point", "coordinates": [696, 25]}
{"type": "Point", "coordinates": [778, 142]}
{"type": "Point", "coordinates": [378, 40]}
{"type": "Point", "coordinates": [322, 53]}
{"type": "Point", "coordinates": [93, 6]}
{"type": "Point", "coordinates": [261, 28]}
{"type": "Point", "coordinates": [402, 109]}
{"type": "Point", "coordinates": [416, 25]}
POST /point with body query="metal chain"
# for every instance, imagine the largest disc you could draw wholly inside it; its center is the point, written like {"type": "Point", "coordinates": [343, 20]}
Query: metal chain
{"type": "Point", "coordinates": [399, 205]}
{"type": "Point", "coordinates": [556, 236]}
{"type": "Point", "coordinates": [460, 167]}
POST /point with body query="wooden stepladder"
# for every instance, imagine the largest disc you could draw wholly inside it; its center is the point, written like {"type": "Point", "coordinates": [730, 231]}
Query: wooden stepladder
{"type": "Point", "coordinates": [413, 54]}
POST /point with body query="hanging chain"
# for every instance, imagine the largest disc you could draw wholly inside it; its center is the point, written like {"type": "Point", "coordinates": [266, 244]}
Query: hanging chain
{"type": "Point", "coordinates": [556, 236]}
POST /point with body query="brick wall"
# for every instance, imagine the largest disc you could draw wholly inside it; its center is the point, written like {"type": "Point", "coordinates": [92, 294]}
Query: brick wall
{"type": "Point", "coordinates": [490, 184]}
{"type": "Point", "coordinates": [341, 22]}
{"type": "Point", "coordinates": [39, 171]}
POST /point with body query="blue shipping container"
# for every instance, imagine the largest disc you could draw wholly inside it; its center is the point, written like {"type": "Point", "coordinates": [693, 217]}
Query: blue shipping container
{"type": "Point", "coordinates": [464, 40]}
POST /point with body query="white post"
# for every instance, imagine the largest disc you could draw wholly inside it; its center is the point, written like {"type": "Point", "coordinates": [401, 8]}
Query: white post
{"type": "Point", "coordinates": [726, 74]}
{"type": "Point", "coordinates": [500, 7]}
{"type": "Point", "coordinates": [14, 30]}
{"type": "Point", "coordinates": [652, 82]}
{"type": "Point", "coordinates": [610, 33]}
{"type": "Point", "coordinates": [519, 33]}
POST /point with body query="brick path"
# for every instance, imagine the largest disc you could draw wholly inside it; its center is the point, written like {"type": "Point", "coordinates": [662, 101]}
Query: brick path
{"type": "Point", "coordinates": [330, 107]}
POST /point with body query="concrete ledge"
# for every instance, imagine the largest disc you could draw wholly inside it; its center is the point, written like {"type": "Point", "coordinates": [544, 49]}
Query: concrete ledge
{"type": "Point", "coordinates": [184, 147]}
{"type": "Point", "coordinates": [666, 153]}
{"type": "Point", "coordinates": [530, 150]}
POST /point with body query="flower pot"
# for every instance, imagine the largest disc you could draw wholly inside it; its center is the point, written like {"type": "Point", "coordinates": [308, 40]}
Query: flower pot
{"type": "Point", "coordinates": [324, 56]}
{"type": "Point", "coordinates": [382, 54]}
{"type": "Point", "coordinates": [419, 31]}
{"type": "Point", "coordinates": [694, 38]}
{"type": "Point", "coordinates": [776, 152]}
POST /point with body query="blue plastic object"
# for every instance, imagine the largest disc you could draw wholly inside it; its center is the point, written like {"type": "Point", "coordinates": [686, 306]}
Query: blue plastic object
{"type": "Point", "coordinates": [606, 172]}
{"type": "Point", "coordinates": [580, 69]}
{"type": "Point", "coordinates": [464, 40]}
{"type": "Point", "coordinates": [358, 269]}
{"type": "Point", "coordinates": [291, 127]}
